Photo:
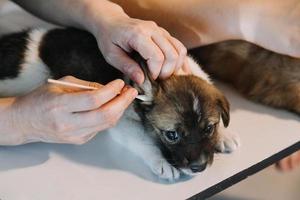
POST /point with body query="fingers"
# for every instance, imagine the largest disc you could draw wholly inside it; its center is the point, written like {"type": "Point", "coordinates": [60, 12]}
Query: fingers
{"type": "Point", "coordinates": [185, 68]}
{"type": "Point", "coordinates": [283, 165]}
{"type": "Point", "coordinates": [180, 48]}
{"type": "Point", "coordinates": [293, 161]}
{"type": "Point", "coordinates": [170, 56]}
{"type": "Point", "coordinates": [66, 117]}
{"type": "Point", "coordinates": [80, 127]}
{"type": "Point", "coordinates": [290, 162]}
{"type": "Point", "coordinates": [151, 52]}
{"type": "Point", "coordinates": [121, 102]}
{"type": "Point", "coordinates": [90, 100]}
{"type": "Point", "coordinates": [107, 115]}
{"type": "Point", "coordinates": [164, 54]}
{"type": "Point", "coordinates": [71, 79]}
{"type": "Point", "coordinates": [119, 59]}
{"type": "Point", "coordinates": [181, 51]}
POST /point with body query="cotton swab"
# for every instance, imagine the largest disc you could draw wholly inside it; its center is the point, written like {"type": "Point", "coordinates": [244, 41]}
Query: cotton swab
{"type": "Point", "coordinates": [76, 85]}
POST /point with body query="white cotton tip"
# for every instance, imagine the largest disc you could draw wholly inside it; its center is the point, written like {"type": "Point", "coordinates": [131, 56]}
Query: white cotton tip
{"type": "Point", "coordinates": [143, 98]}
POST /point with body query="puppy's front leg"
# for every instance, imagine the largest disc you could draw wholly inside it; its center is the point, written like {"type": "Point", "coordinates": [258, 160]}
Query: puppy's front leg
{"type": "Point", "coordinates": [228, 141]}
{"type": "Point", "coordinates": [131, 134]}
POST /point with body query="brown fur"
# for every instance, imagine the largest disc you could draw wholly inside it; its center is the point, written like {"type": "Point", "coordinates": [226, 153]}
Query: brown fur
{"type": "Point", "coordinates": [183, 106]}
{"type": "Point", "coordinates": [172, 108]}
{"type": "Point", "coordinates": [261, 75]}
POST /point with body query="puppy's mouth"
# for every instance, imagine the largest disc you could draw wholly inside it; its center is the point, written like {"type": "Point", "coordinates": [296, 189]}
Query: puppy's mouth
{"type": "Point", "coordinates": [193, 167]}
{"type": "Point", "coordinates": [198, 165]}
{"type": "Point", "coordinates": [190, 160]}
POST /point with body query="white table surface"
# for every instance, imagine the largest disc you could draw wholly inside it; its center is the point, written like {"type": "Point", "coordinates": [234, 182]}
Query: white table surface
{"type": "Point", "coordinates": [101, 169]}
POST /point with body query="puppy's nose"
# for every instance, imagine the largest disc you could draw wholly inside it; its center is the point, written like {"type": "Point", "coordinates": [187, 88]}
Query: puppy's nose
{"type": "Point", "coordinates": [196, 167]}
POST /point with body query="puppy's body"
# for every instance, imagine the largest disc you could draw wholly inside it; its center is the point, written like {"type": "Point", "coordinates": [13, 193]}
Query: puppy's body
{"type": "Point", "coordinates": [28, 58]}
{"type": "Point", "coordinates": [259, 74]}
{"type": "Point", "coordinates": [175, 130]}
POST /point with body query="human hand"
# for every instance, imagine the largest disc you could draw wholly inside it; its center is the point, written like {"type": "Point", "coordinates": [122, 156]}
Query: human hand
{"type": "Point", "coordinates": [289, 163]}
{"type": "Point", "coordinates": [272, 24]}
{"type": "Point", "coordinates": [56, 114]}
{"type": "Point", "coordinates": [117, 34]}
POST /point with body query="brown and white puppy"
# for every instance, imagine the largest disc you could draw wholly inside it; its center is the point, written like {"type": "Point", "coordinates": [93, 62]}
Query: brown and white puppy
{"type": "Point", "coordinates": [175, 130]}
{"type": "Point", "coordinates": [180, 124]}
{"type": "Point", "coordinates": [259, 74]}
{"type": "Point", "coordinates": [185, 112]}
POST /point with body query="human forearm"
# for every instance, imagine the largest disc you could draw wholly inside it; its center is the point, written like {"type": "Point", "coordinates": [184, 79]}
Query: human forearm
{"type": "Point", "coordinates": [194, 22]}
{"type": "Point", "coordinates": [76, 13]}
{"type": "Point", "coordinates": [272, 24]}
{"type": "Point", "coordinates": [9, 134]}
{"type": "Point", "coordinates": [116, 34]}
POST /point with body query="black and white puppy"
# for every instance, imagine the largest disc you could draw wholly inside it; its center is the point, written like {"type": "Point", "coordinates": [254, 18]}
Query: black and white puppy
{"type": "Point", "coordinates": [176, 130]}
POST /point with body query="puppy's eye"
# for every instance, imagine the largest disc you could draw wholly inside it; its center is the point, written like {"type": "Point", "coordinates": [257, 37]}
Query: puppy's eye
{"type": "Point", "coordinates": [171, 136]}
{"type": "Point", "coordinates": [209, 130]}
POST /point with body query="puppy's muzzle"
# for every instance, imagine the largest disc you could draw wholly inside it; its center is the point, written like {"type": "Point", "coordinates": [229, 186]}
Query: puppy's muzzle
{"type": "Point", "coordinates": [200, 164]}
{"type": "Point", "coordinates": [197, 167]}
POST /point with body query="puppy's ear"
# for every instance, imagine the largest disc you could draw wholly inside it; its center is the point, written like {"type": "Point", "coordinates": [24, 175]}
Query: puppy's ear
{"type": "Point", "coordinates": [224, 110]}
{"type": "Point", "coordinates": [149, 87]}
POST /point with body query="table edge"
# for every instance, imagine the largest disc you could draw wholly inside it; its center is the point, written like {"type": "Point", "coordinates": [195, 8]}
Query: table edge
{"type": "Point", "coordinates": [226, 183]}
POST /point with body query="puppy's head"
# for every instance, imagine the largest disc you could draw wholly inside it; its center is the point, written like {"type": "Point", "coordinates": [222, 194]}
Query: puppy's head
{"type": "Point", "coordinates": [183, 113]}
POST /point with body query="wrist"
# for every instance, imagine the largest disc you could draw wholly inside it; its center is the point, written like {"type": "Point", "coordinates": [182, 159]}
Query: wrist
{"type": "Point", "coordinates": [98, 14]}
{"type": "Point", "coordinates": [10, 134]}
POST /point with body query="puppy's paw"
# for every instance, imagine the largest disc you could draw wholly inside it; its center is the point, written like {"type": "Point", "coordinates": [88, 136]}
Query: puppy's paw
{"type": "Point", "coordinates": [164, 170]}
{"type": "Point", "coordinates": [227, 142]}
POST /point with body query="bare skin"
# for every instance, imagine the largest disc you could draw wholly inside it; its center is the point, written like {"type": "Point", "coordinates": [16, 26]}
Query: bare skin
{"type": "Point", "coordinates": [194, 22]}
{"type": "Point", "coordinates": [272, 24]}
{"type": "Point", "coordinates": [116, 34]}
{"type": "Point", "coordinates": [48, 115]}
{"type": "Point", "coordinates": [289, 163]}
{"type": "Point", "coordinates": [55, 114]}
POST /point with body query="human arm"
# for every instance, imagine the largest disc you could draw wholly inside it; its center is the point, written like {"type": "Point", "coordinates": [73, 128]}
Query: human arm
{"type": "Point", "coordinates": [117, 34]}
{"type": "Point", "coordinates": [272, 24]}
{"type": "Point", "coordinates": [56, 114]}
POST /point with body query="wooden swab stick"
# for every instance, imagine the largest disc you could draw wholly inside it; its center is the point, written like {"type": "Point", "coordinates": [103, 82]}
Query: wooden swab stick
{"type": "Point", "coordinates": [76, 85]}
{"type": "Point", "coordinates": [64, 83]}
